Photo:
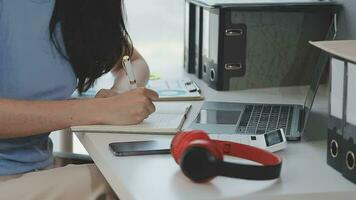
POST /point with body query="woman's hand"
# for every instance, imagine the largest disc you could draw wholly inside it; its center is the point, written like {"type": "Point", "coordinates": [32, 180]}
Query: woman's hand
{"type": "Point", "coordinates": [105, 93]}
{"type": "Point", "coordinates": [130, 107]}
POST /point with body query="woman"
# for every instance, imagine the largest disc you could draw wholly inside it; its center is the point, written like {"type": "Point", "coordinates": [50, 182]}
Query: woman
{"type": "Point", "coordinates": [48, 49]}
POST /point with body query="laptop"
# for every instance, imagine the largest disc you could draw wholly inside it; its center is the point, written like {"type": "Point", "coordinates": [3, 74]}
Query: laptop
{"type": "Point", "coordinates": [253, 119]}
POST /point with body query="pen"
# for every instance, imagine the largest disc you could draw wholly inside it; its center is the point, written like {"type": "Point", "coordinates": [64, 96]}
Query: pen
{"type": "Point", "coordinates": [129, 71]}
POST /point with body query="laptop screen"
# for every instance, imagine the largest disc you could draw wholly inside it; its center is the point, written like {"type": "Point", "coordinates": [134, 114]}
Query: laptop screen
{"type": "Point", "coordinates": [314, 85]}
{"type": "Point", "coordinates": [210, 116]}
{"type": "Point", "coordinates": [318, 72]}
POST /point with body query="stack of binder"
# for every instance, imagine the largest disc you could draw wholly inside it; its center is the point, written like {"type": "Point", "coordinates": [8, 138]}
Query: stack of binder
{"type": "Point", "coordinates": [341, 148]}
{"type": "Point", "coordinates": [242, 44]}
{"type": "Point", "coordinates": [189, 37]}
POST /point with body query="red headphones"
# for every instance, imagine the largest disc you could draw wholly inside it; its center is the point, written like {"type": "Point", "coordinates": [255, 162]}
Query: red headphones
{"type": "Point", "coordinates": [201, 159]}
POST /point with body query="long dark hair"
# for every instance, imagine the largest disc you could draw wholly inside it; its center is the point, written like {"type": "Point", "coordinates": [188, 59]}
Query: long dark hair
{"type": "Point", "coordinates": [94, 36]}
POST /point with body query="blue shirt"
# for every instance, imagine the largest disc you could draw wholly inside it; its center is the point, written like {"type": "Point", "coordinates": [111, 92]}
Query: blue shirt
{"type": "Point", "coordinates": [30, 69]}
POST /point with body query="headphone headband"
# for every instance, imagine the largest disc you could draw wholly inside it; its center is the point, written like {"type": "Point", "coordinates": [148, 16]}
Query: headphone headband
{"type": "Point", "coordinates": [270, 168]}
{"type": "Point", "coordinates": [248, 152]}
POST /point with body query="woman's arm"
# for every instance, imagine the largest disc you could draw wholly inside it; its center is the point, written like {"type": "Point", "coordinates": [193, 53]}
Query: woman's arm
{"type": "Point", "coordinates": [23, 118]}
{"type": "Point", "coordinates": [141, 71]}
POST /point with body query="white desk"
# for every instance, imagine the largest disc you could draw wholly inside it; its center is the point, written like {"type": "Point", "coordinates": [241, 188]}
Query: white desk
{"type": "Point", "coordinates": [305, 173]}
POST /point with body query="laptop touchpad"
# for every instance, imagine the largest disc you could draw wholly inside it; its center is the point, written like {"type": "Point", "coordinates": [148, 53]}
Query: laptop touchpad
{"type": "Point", "coordinates": [207, 116]}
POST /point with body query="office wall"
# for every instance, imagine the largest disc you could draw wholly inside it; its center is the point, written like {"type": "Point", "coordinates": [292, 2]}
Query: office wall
{"type": "Point", "coordinates": [347, 22]}
{"type": "Point", "coordinates": [156, 28]}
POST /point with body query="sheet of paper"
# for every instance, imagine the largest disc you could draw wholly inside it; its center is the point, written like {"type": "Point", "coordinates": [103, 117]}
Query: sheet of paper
{"type": "Point", "coordinates": [351, 94]}
{"type": "Point", "coordinates": [171, 107]}
{"type": "Point", "coordinates": [337, 83]}
{"type": "Point", "coordinates": [174, 89]}
{"type": "Point", "coordinates": [162, 121]}
{"type": "Point", "coordinates": [168, 118]}
{"type": "Point", "coordinates": [156, 123]}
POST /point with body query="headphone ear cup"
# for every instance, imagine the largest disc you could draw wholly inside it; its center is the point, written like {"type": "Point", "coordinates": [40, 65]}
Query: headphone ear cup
{"type": "Point", "coordinates": [198, 163]}
{"type": "Point", "coordinates": [181, 139]}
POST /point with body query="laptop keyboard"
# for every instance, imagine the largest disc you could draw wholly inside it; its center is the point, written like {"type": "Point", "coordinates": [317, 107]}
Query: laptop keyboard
{"type": "Point", "coordinates": [259, 119]}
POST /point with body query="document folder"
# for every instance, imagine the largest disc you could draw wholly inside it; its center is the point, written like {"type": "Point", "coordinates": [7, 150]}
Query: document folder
{"type": "Point", "coordinates": [341, 148]}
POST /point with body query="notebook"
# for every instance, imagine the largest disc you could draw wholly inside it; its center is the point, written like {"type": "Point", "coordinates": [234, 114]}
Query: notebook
{"type": "Point", "coordinates": [167, 119]}
{"type": "Point", "coordinates": [175, 90]}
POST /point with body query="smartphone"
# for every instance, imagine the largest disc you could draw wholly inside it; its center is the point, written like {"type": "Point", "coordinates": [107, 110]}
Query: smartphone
{"type": "Point", "coordinates": [147, 147]}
